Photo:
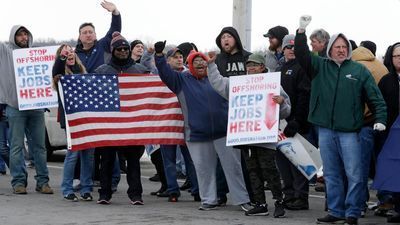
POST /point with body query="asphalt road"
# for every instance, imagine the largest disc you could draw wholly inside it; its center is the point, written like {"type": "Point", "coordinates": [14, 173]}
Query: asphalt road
{"type": "Point", "coordinates": [39, 209]}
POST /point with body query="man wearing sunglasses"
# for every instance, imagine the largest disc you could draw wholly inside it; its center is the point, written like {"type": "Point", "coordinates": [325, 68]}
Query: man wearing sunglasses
{"type": "Point", "coordinates": [297, 85]}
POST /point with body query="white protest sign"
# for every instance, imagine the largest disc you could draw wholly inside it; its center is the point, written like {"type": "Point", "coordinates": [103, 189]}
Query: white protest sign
{"type": "Point", "coordinates": [253, 115]}
{"type": "Point", "coordinates": [301, 153]}
{"type": "Point", "coordinates": [33, 76]}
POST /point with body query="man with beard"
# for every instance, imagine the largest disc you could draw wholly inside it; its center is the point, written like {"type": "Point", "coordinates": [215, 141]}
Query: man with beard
{"type": "Point", "coordinates": [121, 62]}
{"type": "Point", "coordinates": [205, 114]}
{"type": "Point", "coordinates": [231, 61]}
{"type": "Point", "coordinates": [274, 54]}
{"type": "Point", "coordinates": [22, 121]}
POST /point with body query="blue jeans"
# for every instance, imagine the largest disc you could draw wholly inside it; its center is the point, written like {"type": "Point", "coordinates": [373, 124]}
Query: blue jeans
{"type": "Point", "coordinates": [4, 149]}
{"type": "Point", "coordinates": [367, 145]}
{"type": "Point", "coordinates": [19, 121]}
{"type": "Point", "coordinates": [87, 158]}
{"type": "Point", "coordinates": [341, 157]}
{"type": "Point", "coordinates": [169, 159]}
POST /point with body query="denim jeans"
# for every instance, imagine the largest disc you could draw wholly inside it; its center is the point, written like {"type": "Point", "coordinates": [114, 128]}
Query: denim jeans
{"type": "Point", "coordinates": [341, 157]}
{"type": "Point", "coordinates": [86, 160]}
{"type": "Point", "coordinates": [169, 160]}
{"type": "Point", "coordinates": [367, 145]}
{"type": "Point", "coordinates": [19, 121]}
{"type": "Point", "coordinates": [4, 149]}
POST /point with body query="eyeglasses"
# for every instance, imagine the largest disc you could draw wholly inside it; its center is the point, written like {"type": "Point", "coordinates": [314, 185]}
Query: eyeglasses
{"type": "Point", "coordinates": [122, 48]}
{"type": "Point", "coordinates": [289, 46]}
{"type": "Point", "coordinates": [396, 56]}
{"type": "Point", "coordinates": [199, 62]}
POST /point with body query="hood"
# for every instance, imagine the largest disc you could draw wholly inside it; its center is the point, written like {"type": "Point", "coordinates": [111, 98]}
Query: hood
{"type": "Point", "coordinates": [388, 62]}
{"type": "Point", "coordinates": [332, 40]}
{"type": "Point", "coordinates": [362, 54]}
{"type": "Point", "coordinates": [232, 31]}
{"type": "Point", "coordinates": [13, 32]}
{"type": "Point", "coordinates": [193, 54]}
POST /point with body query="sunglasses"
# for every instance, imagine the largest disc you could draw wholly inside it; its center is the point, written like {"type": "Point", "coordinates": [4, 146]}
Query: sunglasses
{"type": "Point", "coordinates": [122, 48]}
{"type": "Point", "coordinates": [289, 46]}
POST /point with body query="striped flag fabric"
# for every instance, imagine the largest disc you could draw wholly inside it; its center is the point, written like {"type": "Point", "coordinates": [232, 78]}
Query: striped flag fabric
{"type": "Point", "coordinates": [119, 110]}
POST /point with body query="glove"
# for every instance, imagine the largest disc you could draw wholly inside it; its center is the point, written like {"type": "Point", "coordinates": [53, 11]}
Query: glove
{"type": "Point", "coordinates": [291, 128]}
{"type": "Point", "coordinates": [304, 21]}
{"type": "Point", "coordinates": [379, 127]}
{"type": "Point", "coordinates": [159, 46]}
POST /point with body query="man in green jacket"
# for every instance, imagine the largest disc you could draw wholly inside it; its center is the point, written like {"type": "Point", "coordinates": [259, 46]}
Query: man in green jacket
{"type": "Point", "coordinates": [340, 89]}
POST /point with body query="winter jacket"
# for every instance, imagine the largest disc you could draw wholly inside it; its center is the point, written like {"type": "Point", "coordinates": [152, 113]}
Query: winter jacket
{"type": "Point", "coordinates": [377, 69]}
{"type": "Point", "coordinates": [8, 89]}
{"type": "Point", "coordinates": [273, 61]}
{"type": "Point", "coordinates": [339, 92]}
{"type": "Point", "coordinates": [389, 86]}
{"type": "Point", "coordinates": [297, 85]}
{"type": "Point", "coordinates": [228, 64]}
{"type": "Point", "coordinates": [114, 68]}
{"type": "Point", "coordinates": [100, 52]}
{"type": "Point", "coordinates": [205, 111]}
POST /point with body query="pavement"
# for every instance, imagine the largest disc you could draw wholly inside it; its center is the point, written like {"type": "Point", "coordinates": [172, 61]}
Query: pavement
{"type": "Point", "coordinates": [40, 209]}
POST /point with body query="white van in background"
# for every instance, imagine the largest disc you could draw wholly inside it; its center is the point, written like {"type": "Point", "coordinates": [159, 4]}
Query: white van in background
{"type": "Point", "coordinates": [56, 138]}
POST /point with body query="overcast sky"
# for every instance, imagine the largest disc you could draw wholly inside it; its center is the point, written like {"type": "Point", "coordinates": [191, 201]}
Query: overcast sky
{"type": "Point", "coordinates": [200, 21]}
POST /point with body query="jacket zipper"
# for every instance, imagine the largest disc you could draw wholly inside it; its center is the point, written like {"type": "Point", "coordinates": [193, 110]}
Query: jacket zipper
{"type": "Point", "coordinates": [334, 97]}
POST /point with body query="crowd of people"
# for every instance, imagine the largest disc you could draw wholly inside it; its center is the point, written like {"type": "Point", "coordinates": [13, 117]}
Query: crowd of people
{"type": "Point", "coordinates": [338, 96]}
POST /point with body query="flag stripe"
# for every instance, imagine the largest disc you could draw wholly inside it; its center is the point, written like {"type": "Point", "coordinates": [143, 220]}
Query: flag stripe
{"type": "Point", "coordinates": [121, 137]}
{"type": "Point", "coordinates": [145, 101]}
{"type": "Point", "coordinates": [142, 84]}
{"type": "Point", "coordinates": [137, 130]}
{"type": "Point", "coordinates": [163, 141]}
{"type": "Point", "coordinates": [125, 120]}
{"type": "Point", "coordinates": [75, 116]}
{"type": "Point", "coordinates": [150, 106]}
{"type": "Point", "coordinates": [147, 95]}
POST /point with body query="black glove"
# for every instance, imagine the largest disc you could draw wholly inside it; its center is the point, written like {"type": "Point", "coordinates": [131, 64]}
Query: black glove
{"type": "Point", "coordinates": [159, 46]}
{"type": "Point", "coordinates": [291, 129]}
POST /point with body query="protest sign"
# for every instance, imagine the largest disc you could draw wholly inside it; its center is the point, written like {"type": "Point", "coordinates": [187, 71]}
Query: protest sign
{"type": "Point", "coordinates": [253, 115]}
{"type": "Point", "coordinates": [33, 76]}
{"type": "Point", "coordinates": [301, 153]}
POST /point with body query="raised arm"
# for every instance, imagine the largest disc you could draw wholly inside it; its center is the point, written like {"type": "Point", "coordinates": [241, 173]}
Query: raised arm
{"type": "Point", "coordinates": [116, 24]}
{"type": "Point", "coordinates": [301, 50]}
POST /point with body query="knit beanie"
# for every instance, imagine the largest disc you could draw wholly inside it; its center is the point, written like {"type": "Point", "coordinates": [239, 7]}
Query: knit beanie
{"type": "Point", "coordinates": [186, 48]}
{"type": "Point", "coordinates": [193, 54]}
{"type": "Point", "coordinates": [135, 42]}
{"type": "Point", "coordinates": [117, 41]}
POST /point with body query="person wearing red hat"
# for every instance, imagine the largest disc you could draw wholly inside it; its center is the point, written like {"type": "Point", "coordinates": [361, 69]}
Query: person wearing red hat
{"type": "Point", "coordinates": [206, 114]}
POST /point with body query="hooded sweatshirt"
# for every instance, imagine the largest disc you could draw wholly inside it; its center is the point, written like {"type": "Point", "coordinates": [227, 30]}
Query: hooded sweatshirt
{"type": "Point", "coordinates": [339, 91]}
{"type": "Point", "coordinates": [228, 64]}
{"type": "Point", "coordinates": [8, 89]}
{"type": "Point", "coordinates": [389, 86]}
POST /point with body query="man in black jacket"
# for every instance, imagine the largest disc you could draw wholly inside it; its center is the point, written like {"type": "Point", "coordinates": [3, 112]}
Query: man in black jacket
{"type": "Point", "coordinates": [297, 85]}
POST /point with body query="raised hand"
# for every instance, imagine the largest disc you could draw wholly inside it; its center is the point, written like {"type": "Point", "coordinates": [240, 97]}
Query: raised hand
{"type": "Point", "coordinates": [109, 6]}
{"type": "Point", "coordinates": [211, 56]}
{"type": "Point", "coordinates": [304, 21]}
{"type": "Point", "coordinates": [159, 46]}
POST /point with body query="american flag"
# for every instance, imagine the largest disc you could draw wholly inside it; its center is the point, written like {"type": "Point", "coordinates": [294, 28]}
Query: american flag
{"type": "Point", "coordinates": [119, 110]}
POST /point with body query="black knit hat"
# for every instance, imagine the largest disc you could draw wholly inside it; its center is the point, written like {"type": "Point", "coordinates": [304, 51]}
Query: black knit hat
{"type": "Point", "coordinates": [185, 48]}
{"type": "Point", "coordinates": [277, 32]}
{"type": "Point", "coordinates": [369, 45]}
{"type": "Point", "coordinates": [117, 41]}
{"type": "Point", "coordinates": [136, 42]}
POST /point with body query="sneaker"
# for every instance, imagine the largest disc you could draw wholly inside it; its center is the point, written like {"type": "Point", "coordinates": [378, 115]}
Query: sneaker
{"type": "Point", "coordinates": [351, 221]}
{"type": "Point", "coordinates": [155, 178]}
{"type": "Point", "coordinates": [207, 207]}
{"type": "Point", "coordinates": [298, 204]}
{"type": "Point", "coordinates": [87, 197]}
{"type": "Point", "coordinates": [19, 190]}
{"type": "Point", "coordinates": [328, 219]}
{"type": "Point", "coordinates": [246, 207]}
{"type": "Point", "coordinates": [196, 197]}
{"type": "Point", "coordinates": [394, 219]}
{"type": "Point", "coordinates": [222, 201]}
{"type": "Point", "coordinates": [137, 202]}
{"type": "Point", "coordinates": [173, 197]}
{"type": "Point", "coordinates": [162, 189]}
{"type": "Point", "coordinates": [45, 189]}
{"type": "Point", "coordinates": [185, 186]}
{"type": "Point", "coordinates": [104, 200]}
{"type": "Point", "coordinates": [279, 211]}
{"type": "Point", "coordinates": [71, 197]}
{"type": "Point", "coordinates": [163, 194]}
{"type": "Point", "coordinates": [258, 210]}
